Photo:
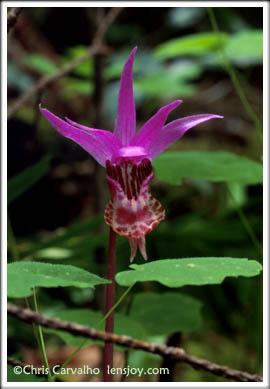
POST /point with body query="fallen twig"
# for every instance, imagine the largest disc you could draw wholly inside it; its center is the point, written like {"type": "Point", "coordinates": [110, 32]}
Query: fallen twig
{"type": "Point", "coordinates": [96, 47]}
{"type": "Point", "coordinates": [179, 354]}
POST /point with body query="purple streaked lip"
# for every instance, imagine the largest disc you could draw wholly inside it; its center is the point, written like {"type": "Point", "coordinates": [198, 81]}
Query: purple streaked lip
{"type": "Point", "coordinates": [132, 211]}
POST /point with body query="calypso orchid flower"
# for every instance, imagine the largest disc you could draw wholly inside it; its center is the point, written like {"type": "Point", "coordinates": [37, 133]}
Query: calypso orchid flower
{"type": "Point", "coordinates": [127, 155]}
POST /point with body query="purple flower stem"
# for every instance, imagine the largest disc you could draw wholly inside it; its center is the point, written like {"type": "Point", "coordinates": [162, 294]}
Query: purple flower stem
{"type": "Point", "coordinates": [110, 297]}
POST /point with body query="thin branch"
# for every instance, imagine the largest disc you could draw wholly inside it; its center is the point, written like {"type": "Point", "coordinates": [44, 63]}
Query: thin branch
{"type": "Point", "coordinates": [95, 48]}
{"type": "Point", "coordinates": [179, 354]}
{"type": "Point", "coordinates": [12, 17]}
{"type": "Point", "coordinates": [105, 24]}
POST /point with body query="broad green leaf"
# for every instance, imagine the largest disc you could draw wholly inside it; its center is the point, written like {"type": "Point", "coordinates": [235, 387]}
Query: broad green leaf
{"type": "Point", "coordinates": [245, 47]}
{"type": "Point", "coordinates": [23, 276]}
{"type": "Point", "coordinates": [165, 86]}
{"type": "Point", "coordinates": [220, 166]}
{"type": "Point", "coordinates": [162, 314]}
{"type": "Point", "coordinates": [24, 180]}
{"type": "Point", "coordinates": [175, 273]}
{"type": "Point", "coordinates": [196, 44]}
{"type": "Point", "coordinates": [124, 325]}
{"type": "Point", "coordinates": [41, 63]}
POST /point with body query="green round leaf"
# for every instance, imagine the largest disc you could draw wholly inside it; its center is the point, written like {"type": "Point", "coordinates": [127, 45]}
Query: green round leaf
{"type": "Point", "coordinates": [162, 314]}
{"type": "Point", "coordinates": [220, 166]}
{"type": "Point", "coordinates": [175, 273]}
{"type": "Point", "coordinates": [23, 276]}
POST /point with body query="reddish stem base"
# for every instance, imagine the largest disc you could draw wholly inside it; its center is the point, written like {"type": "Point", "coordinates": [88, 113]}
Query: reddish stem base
{"type": "Point", "coordinates": [110, 297]}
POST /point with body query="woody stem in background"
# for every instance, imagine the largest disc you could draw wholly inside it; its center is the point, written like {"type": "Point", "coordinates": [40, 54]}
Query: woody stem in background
{"type": "Point", "coordinates": [110, 297]}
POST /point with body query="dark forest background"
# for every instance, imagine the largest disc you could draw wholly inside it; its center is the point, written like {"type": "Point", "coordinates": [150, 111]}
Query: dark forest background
{"type": "Point", "coordinates": [60, 218]}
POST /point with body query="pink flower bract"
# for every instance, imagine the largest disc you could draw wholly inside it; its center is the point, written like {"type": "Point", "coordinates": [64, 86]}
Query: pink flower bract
{"type": "Point", "coordinates": [127, 155]}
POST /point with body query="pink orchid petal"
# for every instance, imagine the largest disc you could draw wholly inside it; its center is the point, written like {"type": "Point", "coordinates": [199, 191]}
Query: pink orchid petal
{"type": "Point", "coordinates": [125, 126]}
{"type": "Point", "coordinates": [175, 130]}
{"type": "Point", "coordinates": [102, 145]}
{"type": "Point", "coordinates": [134, 243]}
{"type": "Point", "coordinates": [141, 243]}
{"type": "Point", "coordinates": [151, 129]}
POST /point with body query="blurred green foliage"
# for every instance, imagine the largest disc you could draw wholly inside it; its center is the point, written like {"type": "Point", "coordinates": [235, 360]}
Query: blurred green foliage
{"type": "Point", "coordinates": [24, 180]}
{"type": "Point", "coordinates": [172, 167]}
